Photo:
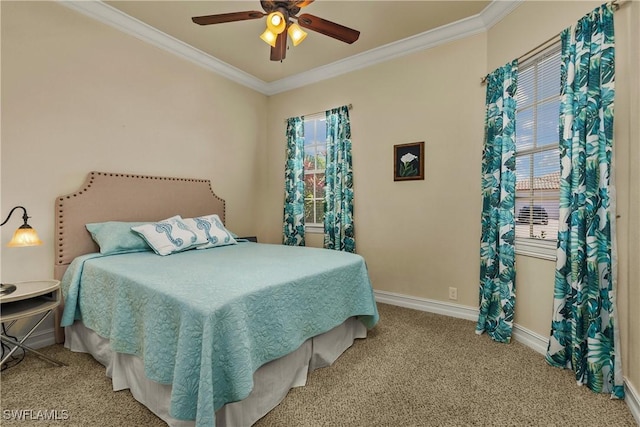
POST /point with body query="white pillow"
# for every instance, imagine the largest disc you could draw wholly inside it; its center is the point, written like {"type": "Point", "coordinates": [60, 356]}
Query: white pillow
{"type": "Point", "coordinates": [167, 236]}
{"type": "Point", "coordinates": [210, 232]}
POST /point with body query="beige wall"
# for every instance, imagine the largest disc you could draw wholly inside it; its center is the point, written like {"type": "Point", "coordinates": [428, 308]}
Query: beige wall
{"type": "Point", "coordinates": [529, 25]}
{"type": "Point", "coordinates": [421, 237]}
{"type": "Point", "coordinates": [79, 96]}
{"type": "Point", "coordinates": [418, 237]}
{"type": "Point", "coordinates": [630, 313]}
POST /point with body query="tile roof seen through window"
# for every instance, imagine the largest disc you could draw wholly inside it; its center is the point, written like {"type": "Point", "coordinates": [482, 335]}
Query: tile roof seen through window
{"type": "Point", "coordinates": [545, 182]}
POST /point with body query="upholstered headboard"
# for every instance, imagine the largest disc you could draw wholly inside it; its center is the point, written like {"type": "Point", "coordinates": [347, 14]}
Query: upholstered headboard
{"type": "Point", "coordinates": [124, 197]}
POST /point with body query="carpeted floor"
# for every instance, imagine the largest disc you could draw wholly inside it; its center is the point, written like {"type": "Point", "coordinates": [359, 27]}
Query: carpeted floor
{"type": "Point", "coordinates": [414, 369]}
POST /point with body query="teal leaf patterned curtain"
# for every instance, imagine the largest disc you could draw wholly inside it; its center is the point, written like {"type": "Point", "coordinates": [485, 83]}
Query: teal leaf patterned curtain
{"type": "Point", "coordinates": [497, 251]}
{"type": "Point", "coordinates": [338, 214]}
{"type": "Point", "coordinates": [293, 227]}
{"type": "Point", "coordinates": [584, 334]}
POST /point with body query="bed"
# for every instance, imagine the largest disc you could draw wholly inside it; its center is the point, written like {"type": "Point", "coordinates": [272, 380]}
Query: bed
{"type": "Point", "coordinates": [201, 337]}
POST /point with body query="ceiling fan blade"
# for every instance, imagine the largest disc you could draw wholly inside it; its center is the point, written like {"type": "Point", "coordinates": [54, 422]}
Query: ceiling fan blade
{"type": "Point", "coordinates": [279, 52]}
{"type": "Point", "coordinates": [328, 28]}
{"type": "Point", "coordinates": [304, 3]}
{"type": "Point", "coordinates": [227, 17]}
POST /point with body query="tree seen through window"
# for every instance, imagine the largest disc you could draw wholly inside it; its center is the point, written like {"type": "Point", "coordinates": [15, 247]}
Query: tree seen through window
{"type": "Point", "coordinates": [315, 155]}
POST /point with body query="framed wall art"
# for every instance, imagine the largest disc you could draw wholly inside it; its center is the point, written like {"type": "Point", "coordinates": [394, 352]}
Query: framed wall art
{"type": "Point", "coordinates": [408, 161]}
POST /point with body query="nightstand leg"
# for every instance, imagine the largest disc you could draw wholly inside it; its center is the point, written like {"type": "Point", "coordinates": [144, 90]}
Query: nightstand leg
{"type": "Point", "coordinates": [21, 344]}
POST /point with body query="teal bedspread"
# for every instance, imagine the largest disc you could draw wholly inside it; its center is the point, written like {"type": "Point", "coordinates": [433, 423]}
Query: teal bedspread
{"type": "Point", "coordinates": [205, 320]}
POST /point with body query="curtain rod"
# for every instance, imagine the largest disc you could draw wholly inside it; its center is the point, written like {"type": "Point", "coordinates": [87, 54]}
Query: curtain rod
{"type": "Point", "coordinates": [616, 5]}
{"type": "Point", "coordinates": [349, 106]}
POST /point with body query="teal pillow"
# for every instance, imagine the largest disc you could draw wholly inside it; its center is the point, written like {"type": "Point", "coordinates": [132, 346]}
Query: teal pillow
{"type": "Point", "coordinates": [114, 237]}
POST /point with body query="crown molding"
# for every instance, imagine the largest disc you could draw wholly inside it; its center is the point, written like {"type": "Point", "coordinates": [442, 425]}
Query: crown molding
{"type": "Point", "coordinates": [113, 17]}
{"type": "Point", "coordinates": [497, 10]}
{"type": "Point", "coordinates": [432, 38]}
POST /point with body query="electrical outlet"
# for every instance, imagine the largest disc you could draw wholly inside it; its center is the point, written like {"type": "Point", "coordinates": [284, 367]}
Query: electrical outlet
{"type": "Point", "coordinates": [453, 293]}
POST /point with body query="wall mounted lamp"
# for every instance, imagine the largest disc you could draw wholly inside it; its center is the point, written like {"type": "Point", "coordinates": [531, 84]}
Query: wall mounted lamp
{"type": "Point", "coordinates": [25, 235]}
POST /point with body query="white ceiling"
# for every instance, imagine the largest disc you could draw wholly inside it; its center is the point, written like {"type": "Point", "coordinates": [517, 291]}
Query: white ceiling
{"type": "Point", "coordinates": [387, 29]}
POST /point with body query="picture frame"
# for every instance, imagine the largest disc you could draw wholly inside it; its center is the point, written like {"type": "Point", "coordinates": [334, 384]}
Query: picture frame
{"type": "Point", "coordinates": [408, 161]}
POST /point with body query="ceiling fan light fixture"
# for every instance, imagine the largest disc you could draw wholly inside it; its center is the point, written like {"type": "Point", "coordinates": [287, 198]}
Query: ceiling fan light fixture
{"type": "Point", "coordinates": [279, 16]}
{"type": "Point", "coordinates": [269, 37]}
{"type": "Point", "coordinates": [276, 22]}
{"type": "Point", "coordinates": [296, 33]}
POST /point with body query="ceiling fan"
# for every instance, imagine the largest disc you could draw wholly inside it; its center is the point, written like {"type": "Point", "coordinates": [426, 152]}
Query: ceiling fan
{"type": "Point", "coordinates": [280, 16]}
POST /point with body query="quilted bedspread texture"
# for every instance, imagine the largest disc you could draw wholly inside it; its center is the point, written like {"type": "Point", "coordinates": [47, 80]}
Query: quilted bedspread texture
{"type": "Point", "coordinates": [205, 320]}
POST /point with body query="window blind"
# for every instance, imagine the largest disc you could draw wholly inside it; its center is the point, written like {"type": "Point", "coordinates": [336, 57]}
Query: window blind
{"type": "Point", "coordinates": [537, 155]}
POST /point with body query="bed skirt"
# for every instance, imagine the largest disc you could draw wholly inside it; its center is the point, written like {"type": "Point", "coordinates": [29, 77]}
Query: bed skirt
{"type": "Point", "coordinates": [272, 381]}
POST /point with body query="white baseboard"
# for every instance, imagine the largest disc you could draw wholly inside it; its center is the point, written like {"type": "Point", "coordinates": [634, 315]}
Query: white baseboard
{"type": "Point", "coordinates": [428, 305]}
{"type": "Point", "coordinates": [531, 339]}
{"type": "Point", "coordinates": [521, 334]}
{"type": "Point", "coordinates": [41, 339]}
{"type": "Point", "coordinates": [632, 398]}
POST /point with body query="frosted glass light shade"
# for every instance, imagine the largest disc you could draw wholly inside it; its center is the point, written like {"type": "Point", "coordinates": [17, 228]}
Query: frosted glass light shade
{"type": "Point", "coordinates": [269, 37]}
{"type": "Point", "coordinates": [297, 34]}
{"type": "Point", "coordinates": [24, 236]}
{"type": "Point", "coordinates": [276, 22]}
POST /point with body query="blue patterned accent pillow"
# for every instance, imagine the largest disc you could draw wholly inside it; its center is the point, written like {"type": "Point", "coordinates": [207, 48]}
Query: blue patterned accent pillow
{"type": "Point", "coordinates": [167, 236]}
{"type": "Point", "coordinates": [115, 237]}
{"type": "Point", "coordinates": [210, 232]}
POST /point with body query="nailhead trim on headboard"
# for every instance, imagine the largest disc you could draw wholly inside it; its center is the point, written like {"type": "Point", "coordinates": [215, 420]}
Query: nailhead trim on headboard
{"type": "Point", "coordinates": [92, 176]}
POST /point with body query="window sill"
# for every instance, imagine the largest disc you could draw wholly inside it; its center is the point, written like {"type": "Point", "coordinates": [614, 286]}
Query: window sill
{"type": "Point", "coordinates": [536, 248]}
{"type": "Point", "coordinates": [314, 228]}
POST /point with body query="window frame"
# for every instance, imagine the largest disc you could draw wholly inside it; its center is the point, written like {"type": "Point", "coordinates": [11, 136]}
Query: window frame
{"type": "Point", "coordinates": [314, 227]}
{"type": "Point", "coordinates": [527, 246]}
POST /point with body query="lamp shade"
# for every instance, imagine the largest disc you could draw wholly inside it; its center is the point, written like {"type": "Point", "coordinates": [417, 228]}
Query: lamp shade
{"type": "Point", "coordinates": [276, 22]}
{"type": "Point", "coordinates": [269, 37]}
{"type": "Point", "coordinates": [296, 33]}
{"type": "Point", "coordinates": [24, 236]}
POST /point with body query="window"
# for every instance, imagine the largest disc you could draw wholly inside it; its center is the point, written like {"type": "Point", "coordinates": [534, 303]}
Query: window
{"type": "Point", "coordinates": [537, 155]}
{"type": "Point", "coordinates": [315, 157]}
